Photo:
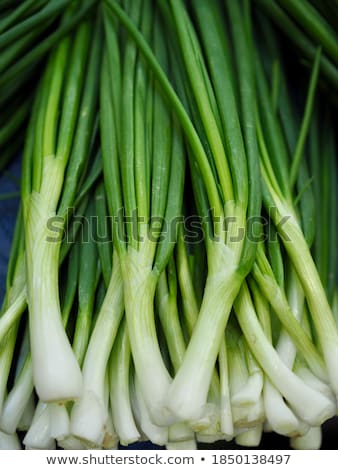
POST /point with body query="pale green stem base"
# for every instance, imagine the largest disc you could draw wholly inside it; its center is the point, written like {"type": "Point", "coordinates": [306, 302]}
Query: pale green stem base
{"type": "Point", "coordinates": [187, 396]}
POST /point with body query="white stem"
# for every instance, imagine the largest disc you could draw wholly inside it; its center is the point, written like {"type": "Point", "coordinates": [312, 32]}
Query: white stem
{"type": "Point", "coordinates": [256, 412]}
{"type": "Point", "coordinates": [256, 376]}
{"type": "Point", "coordinates": [249, 415]}
{"type": "Point", "coordinates": [15, 301]}
{"type": "Point", "coordinates": [286, 347]}
{"type": "Point", "coordinates": [17, 400]}
{"type": "Point", "coordinates": [250, 437]}
{"type": "Point", "coordinates": [119, 390]}
{"type": "Point", "coordinates": [6, 357]}
{"type": "Point", "coordinates": [250, 392]}
{"type": "Point", "coordinates": [156, 434]}
{"type": "Point", "coordinates": [88, 419]}
{"type": "Point", "coordinates": [227, 426]}
{"type": "Point", "coordinates": [110, 440]}
{"type": "Point", "coordinates": [323, 319]}
{"type": "Point", "coordinates": [139, 289]}
{"type": "Point", "coordinates": [310, 405]}
{"type": "Point", "coordinates": [56, 373]}
{"type": "Point", "coordinates": [187, 395]}
{"type": "Point", "coordinates": [9, 441]}
{"type": "Point", "coordinates": [238, 375]}
{"type": "Point", "coordinates": [314, 382]}
{"type": "Point", "coordinates": [28, 414]}
{"type": "Point", "coordinates": [180, 432]}
{"type": "Point", "coordinates": [59, 421]}
{"type": "Point", "coordinates": [210, 421]}
{"type": "Point", "coordinates": [312, 440]}
{"type": "Point", "coordinates": [279, 416]}
{"type": "Point", "coordinates": [276, 296]}
{"type": "Point", "coordinates": [38, 435]}
{"type": "Point", "coordinates": [86, 423]}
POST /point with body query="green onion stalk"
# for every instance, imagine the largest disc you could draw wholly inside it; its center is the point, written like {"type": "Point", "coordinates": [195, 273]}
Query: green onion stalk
{"type": "Point", "coordinates": [89, 415]}
{"type": "Point", "coordinates": [262, 273]}
{"type": "Point", "coordinates": [226, 182]}
{"type": "Point", "coordinates": [179, 434]}
{"type": "Point", "coordinates": [251, 437]}
{"type": "Point", "coordinates": [49, 156]}
{"type": "Point", "coordinates": [310, 406]}
{"type": "Point", "coordinates": [13, 302]}
{"type": "Point", "coordinates": [322, 407]}
{"type": "Point", "coordinates": [309, 378]}
{"type": "Point", "coordinates": [89, 274]}
{"type": "Point", "coordinates": [13, 310]}
{"type": "Point", "coordinates": [247, 410]}
{"type": "Point", "coordinates": [216, 423]}
{"type": "Point", "coordinates": [279, 417]}
{"type": "Point", "coordinates": [38, 435]}
{"type": "Point", "coordinates": [278, 199]}
{"type": "Point", "coordinates": [249, 397]}
{"type": "Point", "coordinates": [120, 399]}
{"type": "Point", "coordinates": [19, 397]}
{"type": "Point", "coordinates": [18, 304]}
{"type": "Point", "coordinates": [82, 283]}
{"type": "Point", "coordinates": [27, 416]}
{"type": "Point", "coordinates": [285, 345]}
{"type": "Point", "coordinates": [228, 262]}
{"type": "Point", "coordinates": [159, 434]}
{"type": "Point", "coordinates": [280, 96]}
{"type": "Point", "coordinates": [144, 175]}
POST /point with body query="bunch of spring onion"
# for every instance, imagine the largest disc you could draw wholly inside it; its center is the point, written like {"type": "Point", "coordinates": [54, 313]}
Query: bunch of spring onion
{"type": "Point", "coordinates": [167, 281]}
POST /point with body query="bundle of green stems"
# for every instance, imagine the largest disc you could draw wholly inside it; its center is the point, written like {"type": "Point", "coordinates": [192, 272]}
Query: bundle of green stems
{"type": "Point", "coordinates": [172, 276]}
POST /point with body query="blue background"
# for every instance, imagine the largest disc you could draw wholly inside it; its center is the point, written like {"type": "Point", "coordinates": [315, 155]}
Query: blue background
{"type": "Point", "coordinates": [9, 182]}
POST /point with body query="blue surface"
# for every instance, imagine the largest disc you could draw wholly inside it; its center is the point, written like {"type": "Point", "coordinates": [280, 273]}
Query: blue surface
{"type": "Point", "coordinates": [9, 182]}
